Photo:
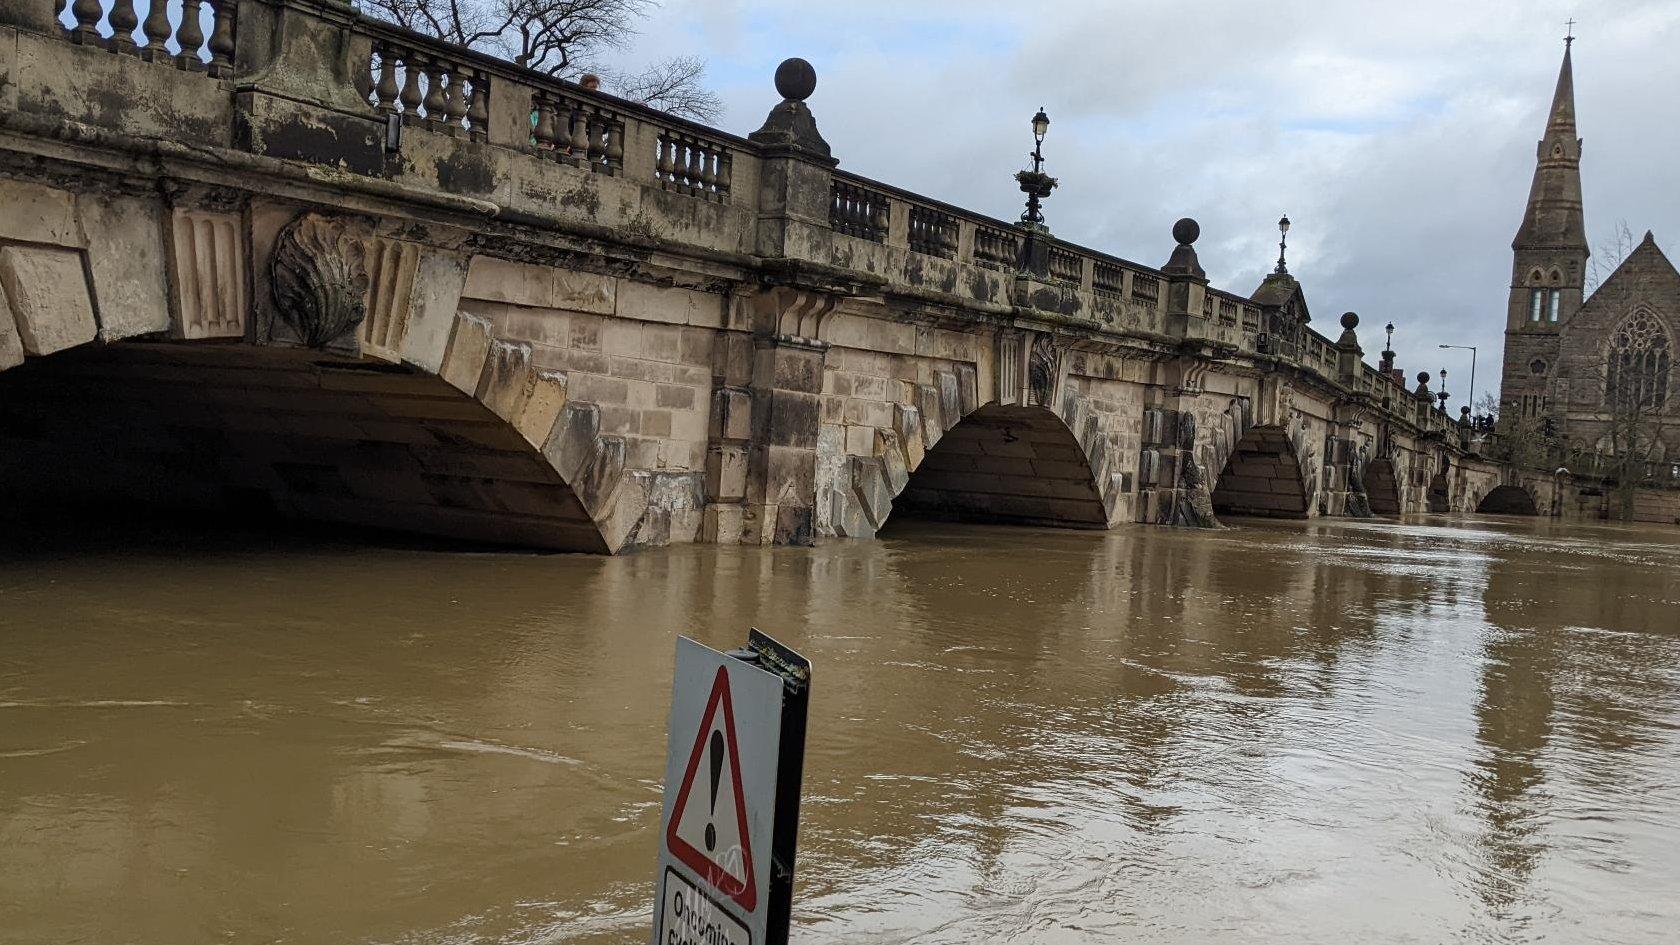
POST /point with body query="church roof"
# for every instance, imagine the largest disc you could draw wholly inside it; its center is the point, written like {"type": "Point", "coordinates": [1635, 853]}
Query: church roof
{"type": "Point", "coordinates": [1646, 259]}
{"type": "Point", "coordinates": [1553, 218]}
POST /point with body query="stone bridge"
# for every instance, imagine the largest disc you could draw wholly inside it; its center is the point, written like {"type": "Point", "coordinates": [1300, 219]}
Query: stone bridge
{"type": "Point", "coordinates": [314, 265]}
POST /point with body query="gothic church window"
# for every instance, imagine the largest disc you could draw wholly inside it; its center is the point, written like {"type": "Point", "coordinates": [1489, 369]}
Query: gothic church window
{"type": "Point", "coordinates": [1636, 375]}
{"type": "Point", "coordinates": [1536, 366]}
{"type": "Point", "coordinates": [1536, 299]}
{"type": "Point", "coordinates": [1552, 311]}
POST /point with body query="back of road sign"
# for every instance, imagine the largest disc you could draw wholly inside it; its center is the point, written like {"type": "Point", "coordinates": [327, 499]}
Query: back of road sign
{"type": "Point", "coordinates": [720, 801]}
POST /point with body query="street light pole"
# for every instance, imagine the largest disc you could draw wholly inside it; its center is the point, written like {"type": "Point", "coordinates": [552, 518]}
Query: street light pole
{"type": "Point", "coordinates": [1472, 350]}
{"type": "Point", "coordinates": [1037, 185]}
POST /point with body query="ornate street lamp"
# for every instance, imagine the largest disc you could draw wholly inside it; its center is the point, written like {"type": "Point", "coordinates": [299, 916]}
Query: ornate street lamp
{"type": "Point", "coordinates": [1442, 396]}
{"type": "Point", "coordinates": [1035, 183]}
{"type": "Point", "coordinates": [1283, 243]}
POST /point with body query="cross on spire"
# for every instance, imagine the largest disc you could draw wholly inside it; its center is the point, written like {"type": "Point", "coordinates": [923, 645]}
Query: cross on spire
{"type": "Point", "coordinates": [1569, 38]}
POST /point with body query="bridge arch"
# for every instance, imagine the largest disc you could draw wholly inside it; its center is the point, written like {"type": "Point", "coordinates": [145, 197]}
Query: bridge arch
{"type": "Point", "coordinates": [1508, 500]}
{"type": "Point", "coordinates": [1009, 464]}
{"type": "Point", "coordinates": [485, 449]}
{"type": "Point", "coordinates": [946, 458]}
{"type": "Point", "coordinates": [1262, 477]}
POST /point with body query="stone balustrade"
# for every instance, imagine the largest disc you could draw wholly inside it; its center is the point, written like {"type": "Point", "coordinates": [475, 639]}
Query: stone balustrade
{"type": "Point", "coordinates": [858, 211]}
{"type": "Point", "coordinates": [187, 42]}
{"type": "Point", "coordinates": [426, 88]}
{"type": "Point", "coordinates": [690, 164]}
{"type": "Point", "coordinates": [1066, 265]}
{"type": "Point", "coordinates": [996, 247]}
{"type": "Point", "coordinates": [933, 232]}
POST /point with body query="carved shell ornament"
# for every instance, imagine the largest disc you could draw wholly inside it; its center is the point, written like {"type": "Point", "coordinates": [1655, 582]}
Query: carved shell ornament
{"type": "Point", "coordinates": [320, 280]}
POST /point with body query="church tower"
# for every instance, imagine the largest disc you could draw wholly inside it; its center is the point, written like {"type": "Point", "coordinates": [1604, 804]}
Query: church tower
{"type": "Point", "coordinates": [1549, 258]}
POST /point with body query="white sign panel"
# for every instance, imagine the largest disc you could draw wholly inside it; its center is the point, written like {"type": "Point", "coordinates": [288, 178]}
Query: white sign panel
{"type": "Point", "coordinates": [720, 801]}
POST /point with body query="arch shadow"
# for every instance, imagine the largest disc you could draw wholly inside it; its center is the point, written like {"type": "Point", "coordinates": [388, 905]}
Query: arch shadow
{"type": "Point", "coordinates": [1262, 477]}
{"type": "Point", "coordinates": [1006, 464]}
{"type": "Point", "coordinates": [1382, 487]}
{"type": "Point", "coordinates": [273, 433]}
{"type": "Point", "coordinates": [1508, 500]}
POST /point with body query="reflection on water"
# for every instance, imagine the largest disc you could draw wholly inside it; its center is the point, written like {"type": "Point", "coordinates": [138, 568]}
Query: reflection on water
{"type": "Point", "coordinates": [1325, 732]}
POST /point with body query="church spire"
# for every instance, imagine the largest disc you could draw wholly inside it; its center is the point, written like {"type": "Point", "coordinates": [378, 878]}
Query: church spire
{"type": "Point", "coordinates": [1553, 219]}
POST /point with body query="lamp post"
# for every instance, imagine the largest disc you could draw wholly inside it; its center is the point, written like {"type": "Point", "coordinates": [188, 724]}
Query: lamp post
{"type": "Point", "coordinates": [1472, 350]}
{"type": "Point", "coordinates": [1442, 395]}
{"type": "Point", "coordinates": [1035, 183]}
{"type": "Point", "coordinates": [1283, 243]}
{"type": "Point", "coordinates": [1035, 252]}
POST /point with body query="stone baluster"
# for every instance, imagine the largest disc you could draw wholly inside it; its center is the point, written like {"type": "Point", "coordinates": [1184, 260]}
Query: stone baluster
{"type": "Point", "coordinates": [190, 36]}
{"type": "Point", "coordinates": [157, 30]}
{"type": "Point", "coordinates": [725, 170]}
{"type": "Point", "coordinates": [578, 141]}
{"type": "Point", "coordinates": [615, 147]}
{"type": "Point", "coordinates": [435, 99]}
{"type": "Point", "coordinates": [385, 90]}
{"type": "Point", "coordinates": [87, 14]}
{"type": "Point", "coordinates": [455, 102]}
{"type": "Point", "coordinates": [663, 167]}
{"type": "Point", "coordinates": [597, 142]}
{"type": "Point", "coordinates": [410, 97]}
{"type": "Point", "coordinates": [123, 21]}
{"type": "Point", "coordinates": [679, 164]}
{"type": "Point", "coordinates": [708, 172]}
{"type": "Point", "coordinates": [221, 37]}
{"type": "Point", "coordinates": [544, 131]}
{"type": "Point", "coordinates": [478, 113]}
{"type": "Point", "coordinates": [696, 168]}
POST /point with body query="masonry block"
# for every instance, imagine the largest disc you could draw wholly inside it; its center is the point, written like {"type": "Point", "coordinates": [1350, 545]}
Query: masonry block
{"type": "Point", "coordinates": [47, 292]}
{"type": "Point", "coordinates": [11, 346]}
{"type": "Point", "coordinates": [572, 443]}
{"type": "Point", "coordinates": [536, 418]}
{"type": "Point", "coordinates": [893, 467]}
{"type": "Point", "coordinates": [869, 486]}
{"type": "Point", "coordinates": [950, 400]}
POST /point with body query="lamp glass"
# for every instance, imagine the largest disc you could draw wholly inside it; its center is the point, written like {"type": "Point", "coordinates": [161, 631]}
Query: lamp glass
{"type": "Point", "coordinates": [1283, 225]}
{"type": "Point", "coordinates": [1040, 123]}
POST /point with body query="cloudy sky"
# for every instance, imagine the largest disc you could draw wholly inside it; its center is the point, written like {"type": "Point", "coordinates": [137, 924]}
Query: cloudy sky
{"type": "Point", "coordinates": [1399, 138]}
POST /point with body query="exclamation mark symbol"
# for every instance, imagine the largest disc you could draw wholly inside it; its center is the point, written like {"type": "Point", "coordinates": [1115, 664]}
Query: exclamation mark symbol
{"type": "Point", "coordinates": [717, 772]}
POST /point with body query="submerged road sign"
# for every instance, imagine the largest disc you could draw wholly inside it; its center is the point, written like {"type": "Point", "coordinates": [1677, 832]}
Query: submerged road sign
{"type": "Point", "coordinates": [732, 770]}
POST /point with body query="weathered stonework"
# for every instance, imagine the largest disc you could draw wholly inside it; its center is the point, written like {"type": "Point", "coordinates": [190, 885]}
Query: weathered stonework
{"type": "Point", "coordinates": [665, 334]}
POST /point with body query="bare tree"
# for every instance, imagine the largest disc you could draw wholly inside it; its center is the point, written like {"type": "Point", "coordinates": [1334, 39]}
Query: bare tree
{"type": "Point", "coordinates": [1526, 442]}
{"type": "Point", "coordinates": [1610, 254]}
{"type": "Point", "coordinates": [1487, 405]}
{"type": "Point", "coordinates": [1635, 424]}
{"type": "Point", "coordinates": [561, 38]}
{"type": "Point", "coordinates": [676, 85]}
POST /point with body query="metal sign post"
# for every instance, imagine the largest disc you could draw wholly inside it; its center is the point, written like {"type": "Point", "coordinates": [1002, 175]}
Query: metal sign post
{"type": "Point", "coordinates": [733, 767]}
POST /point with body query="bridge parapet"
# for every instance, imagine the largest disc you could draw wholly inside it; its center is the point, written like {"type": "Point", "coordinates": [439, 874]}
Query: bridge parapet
{"type": "Point", "coordinates": [701, 334]}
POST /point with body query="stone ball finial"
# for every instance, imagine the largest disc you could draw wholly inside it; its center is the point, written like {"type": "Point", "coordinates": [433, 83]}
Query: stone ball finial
{"type": "Point", "coordinates": [1350, 320]}
{"type": "Point", "coordinates": [796, 79]}
{"type": "Point", "coordinates": [1423, 377]}
{"type": "Point", "coordinates": [1464, 411]}
{"type": "Point", "coordinates": [1186, 231]}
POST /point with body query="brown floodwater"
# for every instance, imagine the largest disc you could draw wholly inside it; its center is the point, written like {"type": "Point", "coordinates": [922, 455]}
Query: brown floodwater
{"type": "Point", "coordinates": [1328, 732]}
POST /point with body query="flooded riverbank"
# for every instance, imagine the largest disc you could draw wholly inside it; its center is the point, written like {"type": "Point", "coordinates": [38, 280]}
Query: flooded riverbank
{"type": "Point", "coordinates": [1307, 732]}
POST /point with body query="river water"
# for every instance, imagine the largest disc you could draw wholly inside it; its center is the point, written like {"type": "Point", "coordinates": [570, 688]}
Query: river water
{"type": "Point", "coordinates": [1438, 731]}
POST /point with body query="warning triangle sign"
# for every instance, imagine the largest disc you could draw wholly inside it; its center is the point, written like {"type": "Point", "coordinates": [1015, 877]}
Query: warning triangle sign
{"type": "Point", "coordinates": [708, 825]}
